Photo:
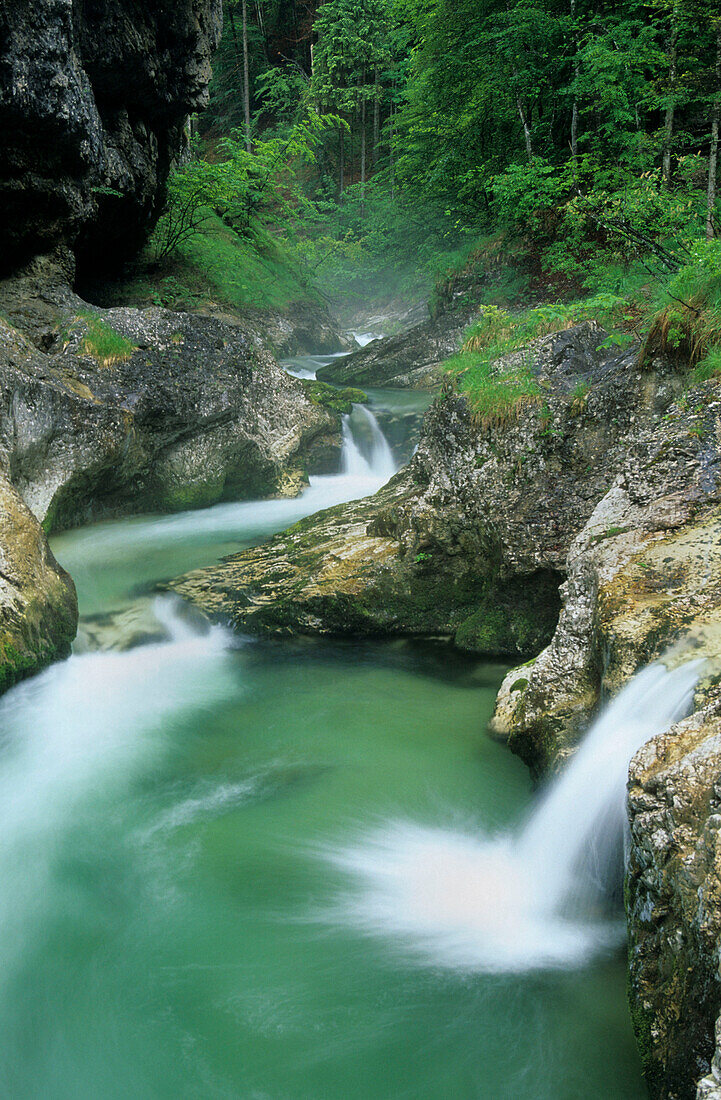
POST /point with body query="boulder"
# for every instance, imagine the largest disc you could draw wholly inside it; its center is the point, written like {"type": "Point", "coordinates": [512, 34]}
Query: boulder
{"type": "Point", "coordinates": [38, 604]}
{"type": "Point", "coordinates": [110, 412]}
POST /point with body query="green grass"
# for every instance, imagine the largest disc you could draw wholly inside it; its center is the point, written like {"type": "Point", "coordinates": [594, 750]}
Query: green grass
{"type": "Point", "coordinates": [216, 268]}
{"type": "Point", "coordinates": [99, 340]}
{"type": "Point", "coordinates": [497, 391]}
{"type": "Point", "coordinates": [496, 395]}
{"type": "Point", "coordinates": [246, 272]}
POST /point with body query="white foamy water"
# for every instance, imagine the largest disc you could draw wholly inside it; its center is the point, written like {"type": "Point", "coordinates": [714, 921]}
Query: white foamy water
{"type": "Point", "coordinates": [365, 338]}
{"type": "Point", "coordinates": [374, 460]}
{"type": "Point", "coordinates": [306, 366]}
{"type": "Point", "coordinates": [363, 472]}
{"type": "Point", "coordinates": [523, 901]}
{"type": "Point", "coordinates": [79, 731]}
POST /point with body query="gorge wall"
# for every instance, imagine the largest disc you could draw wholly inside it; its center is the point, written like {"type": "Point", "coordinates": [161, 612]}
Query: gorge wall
{"type": "Point", "coordinates": [94, 99]}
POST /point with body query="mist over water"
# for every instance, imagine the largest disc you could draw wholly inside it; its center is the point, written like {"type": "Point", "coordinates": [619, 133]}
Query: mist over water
{"type": "Point", "coordinates": [533, 898]}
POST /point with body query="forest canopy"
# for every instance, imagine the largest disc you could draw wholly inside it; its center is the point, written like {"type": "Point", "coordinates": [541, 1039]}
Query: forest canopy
{"type": "Point", "coordinates": [401, 133]}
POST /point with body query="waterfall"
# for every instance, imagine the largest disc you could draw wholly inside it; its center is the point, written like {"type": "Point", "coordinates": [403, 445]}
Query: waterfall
{"type": "Point", "coordinates": [79, 731]}
{"type": "Point", "coordinates": [367, 453]}
{"type": "Point", "coordinates": [362, 339]}
{"type": "Point", "coordinates": [523, 901]}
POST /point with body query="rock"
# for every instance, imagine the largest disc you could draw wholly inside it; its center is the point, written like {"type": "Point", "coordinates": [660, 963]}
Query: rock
{"type": "Point", "coordinates": [410, 359]}
{"type": "Point", "coordinates": [471, 539]}
{"type": "Point", "coordinates": [94, 99]}
{"type": "Point", "coordinates": [109, 412]}
{"type": "Point", "coordinates": [302, 328]}
{"type": "Point", "coordinates": [329, 397]}
{"type": "Point", "coordinates": [673, 895]}
{"type": "Point", "coordinates": [38, 605]}
{"type": "Point", "coordinates": [642, 575]}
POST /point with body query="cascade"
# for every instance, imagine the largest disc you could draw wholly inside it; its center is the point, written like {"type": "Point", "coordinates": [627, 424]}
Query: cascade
{"type": "Point", "coordinates": [375, 460]}
{"type": "Point", "coordinates": [359, 476]}
{"type": "Point", "coordinates": [80, 729]}
{"type": "Point", "coordinates": [529, 900]}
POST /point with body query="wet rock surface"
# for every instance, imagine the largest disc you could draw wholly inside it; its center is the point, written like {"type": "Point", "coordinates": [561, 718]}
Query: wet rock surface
{"type": "Point", "coordinates": [470, 540]}
{"type": "Point", "coordinates": [674, 906]}
{"type": "Point", "coordinates": [94, 99]}
{"type": "Point", "coordinates": [108, 412]}
{"type": "Point", "coordinates": [38, 605]}
{"type": "Point", "coordinates": [409, 360]}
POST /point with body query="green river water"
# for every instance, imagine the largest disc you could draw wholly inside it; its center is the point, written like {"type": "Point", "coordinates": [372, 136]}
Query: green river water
{"type": "Point", "coordinates": [171, 924]}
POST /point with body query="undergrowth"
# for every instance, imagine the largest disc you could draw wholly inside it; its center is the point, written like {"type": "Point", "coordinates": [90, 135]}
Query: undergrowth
{"type": "Point", "coordinates": [673, 315]}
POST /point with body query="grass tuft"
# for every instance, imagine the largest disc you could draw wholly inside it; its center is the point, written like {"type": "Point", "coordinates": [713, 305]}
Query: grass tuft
{"type": "Point", "coordinates": [100, 341]}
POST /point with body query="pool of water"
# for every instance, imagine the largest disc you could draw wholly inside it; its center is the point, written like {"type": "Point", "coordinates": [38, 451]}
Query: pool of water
{"type": "Point", "coordinates": [173, 919]}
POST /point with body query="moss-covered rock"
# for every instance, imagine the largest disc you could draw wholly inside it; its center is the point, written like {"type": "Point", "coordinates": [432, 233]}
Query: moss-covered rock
{"type": "Point", "coordinates": [515, 617]}
{"type": "Point", "coordinates": [332, 398]}
{"type": "Point", "coordinates": [169, 411]}
{"type": "Point", "coordinates": [38, 605]}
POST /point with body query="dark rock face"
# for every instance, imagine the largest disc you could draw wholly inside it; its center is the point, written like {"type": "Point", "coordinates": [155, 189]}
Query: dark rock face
{"type": "Point", "coordinates": [94, 97]}
{"type": "Point", "coordinates": [110, 412]}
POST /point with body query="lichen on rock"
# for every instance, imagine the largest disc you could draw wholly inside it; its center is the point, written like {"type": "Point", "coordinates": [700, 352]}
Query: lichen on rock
{"type": "Point", "coordinates": [38, 604]}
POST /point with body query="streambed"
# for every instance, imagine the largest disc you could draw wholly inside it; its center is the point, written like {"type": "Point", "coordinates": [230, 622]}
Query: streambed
{"type": "Point", "coordinates": [173, 922]}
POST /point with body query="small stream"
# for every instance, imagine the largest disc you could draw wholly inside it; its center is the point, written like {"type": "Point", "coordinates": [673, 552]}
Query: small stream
{"type": "Point", "coordinates": [174, 799]}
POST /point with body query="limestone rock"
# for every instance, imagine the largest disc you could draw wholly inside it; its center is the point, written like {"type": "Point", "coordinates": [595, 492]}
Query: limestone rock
{"type": "Point", "coordinates": [94, 99]}
{"type": "Point", "coordinates": [109, 412]}
{"type": "Point", "coordinates": [674, 906]}
{"type": "Point", "coordinates": [471, 540]}
{"type": "Point", "coordinates": [38, 605]}
{"type": "Point", "coordinates": [409, 360]}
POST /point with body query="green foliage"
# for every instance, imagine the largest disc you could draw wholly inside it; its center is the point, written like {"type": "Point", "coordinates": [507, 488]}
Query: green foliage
{"type": "Point", "coordinates": [329, 397]}
{"type": "Point", "coordinates": [686, 325]}
{"type": "Point", "coordinates": [253, 270]}
{"type": "Point", "coordinates": [99, 340]}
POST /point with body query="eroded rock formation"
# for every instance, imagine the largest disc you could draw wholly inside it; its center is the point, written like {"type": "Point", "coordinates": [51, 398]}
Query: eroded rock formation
{"type": "Point", "coordinates": [94, 98]}
{"type": "Point", "coordinates": [410, 360]}
{"type": "Point", "coordinates": [469, 540]}
{"type": "Point", "coordinates": [38, 605]}
{"type": "Point", "coordinates": [108, 412]}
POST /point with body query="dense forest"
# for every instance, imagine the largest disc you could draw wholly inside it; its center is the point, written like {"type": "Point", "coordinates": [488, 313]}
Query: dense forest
{"type": "Point", "coordinates": [556, 145]}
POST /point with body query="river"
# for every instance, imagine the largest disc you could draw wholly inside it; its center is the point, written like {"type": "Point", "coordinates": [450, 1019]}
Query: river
{"type": "Point", "coordinates": [174, 917]}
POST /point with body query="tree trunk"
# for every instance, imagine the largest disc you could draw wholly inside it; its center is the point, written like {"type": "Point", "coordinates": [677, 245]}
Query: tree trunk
{"type": "Point", "coordinates": [671, 106]}
{"type": "Point", "coordinates": [246, 80]}
{"type": "Point", "coordinates": [526, 129]}
{"type": "Point", "coordinates": [391, 150]}
{"type": "Point", "coordinates": [341, 158]}
{"type": "Point", "coordinates": [363, 148]}
{"type": "Point", "coordinates": [713, 151]}
{"type": "Point", "coordinates": [376, 117]}
{"type": "Point", "coordinates": [574, 111]}
{"type": "Point", "coordinates": [525, 122]}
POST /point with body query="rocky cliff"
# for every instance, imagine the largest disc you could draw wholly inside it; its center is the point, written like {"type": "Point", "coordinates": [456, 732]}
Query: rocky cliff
{"type": "Point", "coordinates": [94, 99]}
{"type": "Point", "coordinates": [38, 605]}
{"type": "Point", "coordinates": [674, 906]}
{"type": "Point", "coordinates": [107, 412]}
